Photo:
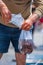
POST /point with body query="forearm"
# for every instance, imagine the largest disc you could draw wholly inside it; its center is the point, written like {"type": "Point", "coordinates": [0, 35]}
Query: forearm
{"type": "Point", "coordinates": [39, 8]}
{"type": "Point", "coordinates": [2, 4]}
{"type": "Point", "coordinates": [38, 13]}
{"type": "Point", "coordinates": [33, 18]}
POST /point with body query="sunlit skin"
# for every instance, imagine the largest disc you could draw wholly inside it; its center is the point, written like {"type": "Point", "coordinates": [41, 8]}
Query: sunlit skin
{"type": "Point", "coordinates": [29, 22]}
{"type": "Point", "coordinates": [6, 14]}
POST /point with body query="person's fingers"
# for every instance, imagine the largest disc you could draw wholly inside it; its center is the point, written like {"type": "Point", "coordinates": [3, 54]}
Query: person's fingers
{"type": "Point", "coordinates": [26, 26]}
{"type": "Point", "coordinates": [23, 25]}
{"type": "Point", "coordinates": [3, 18]}
{"type": "Point", "coordinates": [6, 17]}
{"type": "Point", "coordinates": [10, 15]}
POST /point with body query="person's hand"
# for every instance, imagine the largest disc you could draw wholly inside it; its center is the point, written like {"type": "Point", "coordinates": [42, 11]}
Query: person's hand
{"type": "Point", "coordinates": [27, 25]}
{"type": "Point", "coordinates": [6, 14]}
{"type": "Point", "coordinates": [29, 22]}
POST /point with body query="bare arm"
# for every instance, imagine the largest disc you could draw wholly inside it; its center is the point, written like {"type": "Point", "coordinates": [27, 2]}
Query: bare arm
{"type": "Point", "coordinates": [35, 16]}
{"type": "Point", "coordinates": [2, 4]}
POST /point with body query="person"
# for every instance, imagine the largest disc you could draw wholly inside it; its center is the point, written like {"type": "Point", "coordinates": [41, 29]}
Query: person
{"type": "Point", "coordinates": [8, 30]}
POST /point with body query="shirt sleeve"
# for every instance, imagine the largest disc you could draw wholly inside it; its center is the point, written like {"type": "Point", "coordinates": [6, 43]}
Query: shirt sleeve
{"type": "Point", "coordinates": [39, 8]}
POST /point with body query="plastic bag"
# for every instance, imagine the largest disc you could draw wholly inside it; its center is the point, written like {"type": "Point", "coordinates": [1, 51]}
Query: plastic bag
{"type": "Point", "coordinates": [25, 42]}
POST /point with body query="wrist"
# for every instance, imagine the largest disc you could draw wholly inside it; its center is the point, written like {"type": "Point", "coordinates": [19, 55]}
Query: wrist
{"type": "Point", "coordinates": [34, 18]}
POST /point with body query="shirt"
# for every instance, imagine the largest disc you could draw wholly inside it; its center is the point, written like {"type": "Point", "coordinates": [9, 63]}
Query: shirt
{"type": "Point", "coordinates": [23, 7]}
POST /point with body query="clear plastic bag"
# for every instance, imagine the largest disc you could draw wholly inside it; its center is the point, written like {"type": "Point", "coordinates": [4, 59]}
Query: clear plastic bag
{"type": "Point", "coordinates": [25, 42]}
